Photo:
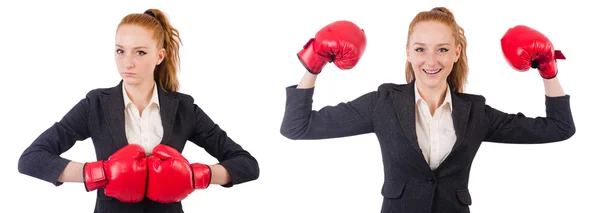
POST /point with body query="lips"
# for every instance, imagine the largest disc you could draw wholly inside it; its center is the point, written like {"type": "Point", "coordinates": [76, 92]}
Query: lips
{"type": "Point", "coordinates": [432, 71]}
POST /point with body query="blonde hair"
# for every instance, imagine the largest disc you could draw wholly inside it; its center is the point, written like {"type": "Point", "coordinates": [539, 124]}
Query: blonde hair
{"type": "Point", "coordinates": [458, 76]}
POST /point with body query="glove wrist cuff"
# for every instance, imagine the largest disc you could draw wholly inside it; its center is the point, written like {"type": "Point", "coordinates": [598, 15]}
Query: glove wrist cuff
{"type": "Point", "coordinates": [94, 176]}
{"type": "Point", "coordinates": [202, 175]}
{"type": "Point", "coordinates": [548, 71]}
{"type": "Point", "coordinates": [313, 62]}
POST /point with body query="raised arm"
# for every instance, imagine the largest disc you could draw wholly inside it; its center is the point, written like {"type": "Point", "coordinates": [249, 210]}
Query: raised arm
{"type": "Point", "coordinates": [557, 126]}
{"type": "Point", "coordinates": [526, 48]}
{"type": "Point", "coordinates": [302, 122]}
{"type": "Point", "coordinates": [342, 43]}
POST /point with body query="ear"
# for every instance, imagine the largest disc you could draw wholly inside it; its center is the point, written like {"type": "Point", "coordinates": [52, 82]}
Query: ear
{"type": "Point", "coordinates": [458, 50]}
{"type": "Point", "coordinates": [161, 56]}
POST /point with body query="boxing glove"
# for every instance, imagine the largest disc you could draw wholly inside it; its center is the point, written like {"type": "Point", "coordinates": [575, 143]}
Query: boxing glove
{"type": "Point", "coordinates": [123, 175]}
{"type": "Point", "coordinates": [341, 42]}
{"type": "Point", "coordinates": [171, 178]}
{"type": "Point", "coordinates": [525, 48]}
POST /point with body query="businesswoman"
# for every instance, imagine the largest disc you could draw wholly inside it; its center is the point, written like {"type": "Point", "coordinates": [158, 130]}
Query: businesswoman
{"type": "Point", "coordinates": [428, 129]}
{"type": "Point", "coordinates": [139, 129]}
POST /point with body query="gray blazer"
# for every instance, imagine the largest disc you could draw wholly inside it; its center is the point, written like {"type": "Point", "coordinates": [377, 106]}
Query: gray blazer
{"type": "Point", "coordinates": [409, 184]}
{"type": "Point", "coordinates": [100, 116]}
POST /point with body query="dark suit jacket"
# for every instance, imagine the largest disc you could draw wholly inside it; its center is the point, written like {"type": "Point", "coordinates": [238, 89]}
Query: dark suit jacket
{"type": "Point", "coordinates": [100, 116]}
{"type": "Point", "coordinates": [410, 185]}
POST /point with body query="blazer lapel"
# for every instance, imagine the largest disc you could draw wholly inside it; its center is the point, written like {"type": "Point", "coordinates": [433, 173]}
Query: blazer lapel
{"type": "Point", "coordinates": [114, 108]}
{"type": "Point", "coordinates": [460, 117]}
{"type": "Point", "coordinates": [168, 109]}
{"type": "Point", "coordinates": [404, 104]}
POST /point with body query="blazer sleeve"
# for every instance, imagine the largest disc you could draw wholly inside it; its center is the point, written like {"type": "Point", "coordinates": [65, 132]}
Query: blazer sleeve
{"type": "Point", "coordinates": [557, 126]}
{"type": "Point", "coordinates": [42, 158]}
{"type": "Point", "coordinates": [302, 122]}
{"type": "Point", "coordinates": [240, 164]}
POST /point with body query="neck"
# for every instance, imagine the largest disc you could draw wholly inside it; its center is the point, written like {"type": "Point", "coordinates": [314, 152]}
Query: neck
{"type": "Point", "coordinates": [140, 94]}
{"type": "Point", "coordinates": [433, 96]}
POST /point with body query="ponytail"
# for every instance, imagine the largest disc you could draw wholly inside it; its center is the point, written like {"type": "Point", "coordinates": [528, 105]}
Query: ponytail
{"type": "Point", "coordinates": [165, 74]}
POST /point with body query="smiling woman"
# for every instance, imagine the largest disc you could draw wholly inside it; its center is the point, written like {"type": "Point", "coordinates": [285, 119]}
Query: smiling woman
{"type": "Point", "coordinates": [429, 131]}
{"type": "Point", "coordinates": [139, 129]}
{"type": "Point", "coordinates": [436, 52]}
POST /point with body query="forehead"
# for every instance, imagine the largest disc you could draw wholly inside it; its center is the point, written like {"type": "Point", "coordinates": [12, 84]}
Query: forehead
{"type": "Point", "coordinates": [431, 33]}
{"type": "Point", "coordinates": [133, 35]}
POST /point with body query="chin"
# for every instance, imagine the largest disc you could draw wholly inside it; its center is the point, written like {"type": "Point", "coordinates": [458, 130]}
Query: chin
{"type": "Point", "coordinates": [130, 81]}
{"type": "Point", "coordinates": [438, 80]}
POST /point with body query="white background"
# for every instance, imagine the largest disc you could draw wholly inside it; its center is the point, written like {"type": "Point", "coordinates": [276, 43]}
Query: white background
{"type": "Point", "coordinates": [237, 58]}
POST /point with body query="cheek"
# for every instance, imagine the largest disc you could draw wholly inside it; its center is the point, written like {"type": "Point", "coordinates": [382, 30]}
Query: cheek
{"type": "Point", "coordinates": [119, 61]}
{"type": "Point", "coordinates": [416, 60]}
{"type": "Point", "coordinates": [147, 64]}
{"type": "Point", "coordinates": [447, 61]}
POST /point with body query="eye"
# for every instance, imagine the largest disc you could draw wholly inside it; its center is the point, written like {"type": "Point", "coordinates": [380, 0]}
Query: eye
{"type": "Point", "coordinates": [444, 50]}
{"type": "Point", "coordinates": [419, 49]}
{"type": "Point", "coordinates": [141, 52]}
{"type": "Point", "coordinates": [119, 51]}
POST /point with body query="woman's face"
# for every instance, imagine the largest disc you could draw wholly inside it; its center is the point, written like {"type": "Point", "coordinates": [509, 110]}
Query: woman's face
{"type": "Point", "coordinates": [136, 54]}
{"type": "Point", "coordinates": [432, 52]}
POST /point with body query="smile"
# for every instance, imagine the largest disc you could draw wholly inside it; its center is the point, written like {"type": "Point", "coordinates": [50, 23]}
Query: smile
{"type": "Point", "coordinates": [432, 71]}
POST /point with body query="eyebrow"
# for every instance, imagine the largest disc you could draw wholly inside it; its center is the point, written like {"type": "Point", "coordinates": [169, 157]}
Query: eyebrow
{"type": "Point", "coordinates": [423, 44]}
{"type": "Point", "coordinates": [139, 47]}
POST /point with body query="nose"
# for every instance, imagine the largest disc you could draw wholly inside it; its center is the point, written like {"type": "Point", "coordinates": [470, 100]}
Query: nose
{"type": "Point", "coordinates": [431, 59]}
{"type": "Point", "coordinates": [128, 62]}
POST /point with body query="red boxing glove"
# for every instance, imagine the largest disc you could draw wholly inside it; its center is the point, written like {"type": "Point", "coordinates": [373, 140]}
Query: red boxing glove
{"type": "Point", "coordinates": [123, 175]}
{"type": "Point", "coordinates": [526, 48]}
{"type": "Point", "coordinates": [171, 178]}
{"type": "Point", "coordinates": [341, 42]}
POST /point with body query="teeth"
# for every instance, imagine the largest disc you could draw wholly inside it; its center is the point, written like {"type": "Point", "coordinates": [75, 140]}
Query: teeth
{"type": "Point", "coordinates": [432, 71]}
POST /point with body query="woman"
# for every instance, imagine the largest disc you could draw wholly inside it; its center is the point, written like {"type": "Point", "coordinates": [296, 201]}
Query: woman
{"type": "Point", "coordinates": [139, 129]}
{"type": "Point", "coordinates": [428, 129]}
